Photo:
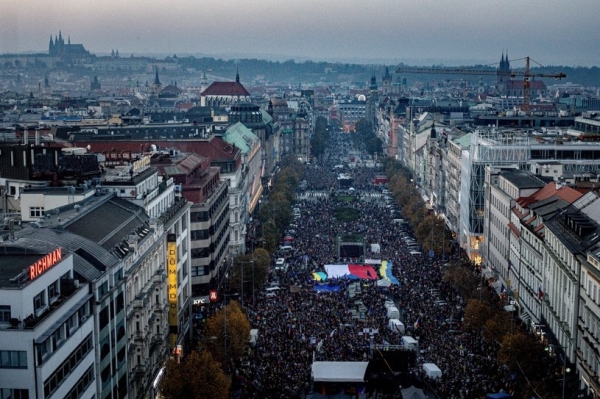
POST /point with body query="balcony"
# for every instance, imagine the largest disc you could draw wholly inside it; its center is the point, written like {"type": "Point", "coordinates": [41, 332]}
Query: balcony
{"type": "Point", "coordinates": [33, 320]}
{"type": "Point", "coordinates": [172, 211]}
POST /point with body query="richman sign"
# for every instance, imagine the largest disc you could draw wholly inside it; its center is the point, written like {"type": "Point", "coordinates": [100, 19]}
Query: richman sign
{"type": "Point", "coordinates": [46, 263]}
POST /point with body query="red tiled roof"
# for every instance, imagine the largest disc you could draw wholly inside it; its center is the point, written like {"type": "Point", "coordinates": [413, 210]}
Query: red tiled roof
{"type": "Point", "coordinates": [514, 229]}
{"type": "Point", "coordinates": [517, 212]}
{"type": "Point", "coordinates": [565, 193]}
{"type": "Point", "coordinates": [225, 89]}
{"type": "Point", "coordinates": [537, 229]}
{"type": "Point", "coordinates": [531, 219]}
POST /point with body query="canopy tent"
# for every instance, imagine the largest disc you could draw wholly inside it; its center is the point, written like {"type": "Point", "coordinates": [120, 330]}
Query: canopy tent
{"type": "Point", "coordinates": [385, 271]}
{"type": "Point", "coordinates": [351, 271]}
{"type": "Point", "coordinates": [339, 371]}
{"type": "Point", "coordinates": [413, 393]}
{"type": "Point", "coordinates": [432, 370]}
{"type": "Point", "coordinates": [375, 248]}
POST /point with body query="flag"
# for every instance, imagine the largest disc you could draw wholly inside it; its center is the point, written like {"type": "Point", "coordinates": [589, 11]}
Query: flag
{"type": "Point", "coordinates": [540, 292]}
{"type": "Point", "coordinates": [502, 289]}
{"type": "Point", "coordinates": [417, 324]}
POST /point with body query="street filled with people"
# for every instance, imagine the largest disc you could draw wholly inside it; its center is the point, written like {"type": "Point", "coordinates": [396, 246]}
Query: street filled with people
{"type": "Point", "coordinates": [307, 315]}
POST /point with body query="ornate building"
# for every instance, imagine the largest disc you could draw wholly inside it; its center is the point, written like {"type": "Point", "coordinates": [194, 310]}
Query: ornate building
{"type": "Point", "coordinates": [58, 48]}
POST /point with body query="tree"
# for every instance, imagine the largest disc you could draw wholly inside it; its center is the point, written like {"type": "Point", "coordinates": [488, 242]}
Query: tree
{"type": "Point", "coordinates": [497, 327]}
{"type": "Point", "coordinates": [197, 376]}
{"type": "Point", "coordinates": [255, 270]}
{"type": "Point", "coordinates": [524, 354]}
{"type": "Point", "coordinates": [477, 313]}
{"type": "Point", "coordinates": [236, 339]}
{"type": "Point", "coordinates": [464, 280]}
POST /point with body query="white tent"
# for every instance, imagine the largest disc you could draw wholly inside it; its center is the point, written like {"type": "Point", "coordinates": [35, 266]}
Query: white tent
{"type": "Point", "coordinates": [375, 248]}
{"type": "Point", "coordinates": [339, 371]}
{"type": "Point", "coordinates": [413, 393]}
{"type": "Point", "coordinates": [432, 370]}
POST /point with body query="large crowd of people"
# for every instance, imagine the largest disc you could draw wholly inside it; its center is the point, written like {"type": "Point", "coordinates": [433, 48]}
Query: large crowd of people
{"type": "Point", "coordinates": [301, 325]}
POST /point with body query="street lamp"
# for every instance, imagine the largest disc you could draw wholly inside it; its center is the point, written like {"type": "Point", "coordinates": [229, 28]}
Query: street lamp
{"type": "Point", "coordinates": [563, 357]}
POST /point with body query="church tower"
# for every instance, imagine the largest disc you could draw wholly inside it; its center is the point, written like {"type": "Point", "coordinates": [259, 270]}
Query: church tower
{"type": "Point", "coordinates": [386, 83]}
{"type": "Point", "coordinates": [156, 86]}
{"type": "Point", "coordinates": [372, 101]}
{"type": "Point", "coordinates": [503, 74]}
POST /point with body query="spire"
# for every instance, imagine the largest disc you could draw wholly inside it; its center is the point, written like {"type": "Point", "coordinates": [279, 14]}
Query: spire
{"type": "Point", "coordinates": [51, 42]}
{"type": "Point", "coordinates": [156, 81]}
{"type": "Point", "coordinates": [373, 86]}
{"type": "Point", "coordinates": [69, 40]}
{"type": "Point", "coordinates": [60, 35]}
{"type": "Point", "coordinates": [237, 75]}
{"type": "Point", "coordinates": [433, 133]}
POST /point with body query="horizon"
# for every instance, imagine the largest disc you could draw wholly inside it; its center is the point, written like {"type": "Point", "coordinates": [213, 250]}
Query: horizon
{"type": "Point", "coordinates": [552, 32]}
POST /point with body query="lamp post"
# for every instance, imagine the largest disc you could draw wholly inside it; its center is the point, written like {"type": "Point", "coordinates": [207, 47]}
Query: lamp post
{"type": "Point", "coordinates": [563, 357]}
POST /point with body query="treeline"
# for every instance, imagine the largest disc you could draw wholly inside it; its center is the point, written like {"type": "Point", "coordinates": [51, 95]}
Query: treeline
{"type": "Point", "coordinates": [290, 70]}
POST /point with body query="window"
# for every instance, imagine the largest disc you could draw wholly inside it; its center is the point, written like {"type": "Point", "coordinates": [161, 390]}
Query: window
{"type": "Point", "coordinates": [39, 301]}
{"type": "Point", "coordinates": [199, 271]}
{"type": "Point", "coordinates": [4, 313]}
{"type": "Point", "coordinates": [36, 211]}
{"type": "Point", "coordinates": [13, 359]}
{"type": "Point", "coordinates": [53, 290]}
{"type": "Point", "coordinates": [10, 393]}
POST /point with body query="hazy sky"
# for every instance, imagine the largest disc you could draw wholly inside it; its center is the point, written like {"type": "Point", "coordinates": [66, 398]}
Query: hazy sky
{"type": "Point", "coordinates": [552, 32]}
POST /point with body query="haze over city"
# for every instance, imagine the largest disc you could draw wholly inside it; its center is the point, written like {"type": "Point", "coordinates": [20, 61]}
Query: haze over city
{"type": "Point", "coordinates": [552, 32]}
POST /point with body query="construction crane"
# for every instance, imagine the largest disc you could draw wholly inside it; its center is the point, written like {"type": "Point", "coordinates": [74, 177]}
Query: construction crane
{"type": "Point", "coordinates": [527, 75]}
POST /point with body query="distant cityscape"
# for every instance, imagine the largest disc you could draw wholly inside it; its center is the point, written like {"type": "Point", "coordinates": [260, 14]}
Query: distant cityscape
{"type": "Point", "coordinates": [129, 184]}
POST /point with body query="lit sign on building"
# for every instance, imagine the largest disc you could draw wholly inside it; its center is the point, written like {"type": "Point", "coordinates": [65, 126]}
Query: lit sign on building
{"type": "Point", "coordinates": [46, 263]}
{"type": "Point", "coordinates": [172, 279]}
{"type": "Point", "coordinates": [141, 164]}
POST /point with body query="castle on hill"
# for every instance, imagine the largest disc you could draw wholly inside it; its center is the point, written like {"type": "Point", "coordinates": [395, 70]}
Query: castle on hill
{"type": "Point", "coordinates": [58, 48]}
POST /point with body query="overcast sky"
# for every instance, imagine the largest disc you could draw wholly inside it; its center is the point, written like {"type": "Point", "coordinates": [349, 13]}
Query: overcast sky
{"type": "Point", "coordinates": [551, 32]}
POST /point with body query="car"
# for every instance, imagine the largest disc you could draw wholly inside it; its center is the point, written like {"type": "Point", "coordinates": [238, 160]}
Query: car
{"type": "Point", "coordinates": [286, 248]}
{"type": "Point", "coordinates": [280, 264]}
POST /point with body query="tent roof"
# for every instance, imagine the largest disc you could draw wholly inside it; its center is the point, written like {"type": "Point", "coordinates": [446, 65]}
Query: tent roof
{"type": "Point", "coordinates": [339, 371]}
{"type": "Point", "coordinates": [413, 393]}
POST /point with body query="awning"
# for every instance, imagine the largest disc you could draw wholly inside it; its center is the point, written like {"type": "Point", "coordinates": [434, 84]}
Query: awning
{"type": "Point", "coordinates": [525, 316]}
{"type": "Point", "coordinates": [488, 274]}
{"type": "Point", "coordinates": [339, 371]}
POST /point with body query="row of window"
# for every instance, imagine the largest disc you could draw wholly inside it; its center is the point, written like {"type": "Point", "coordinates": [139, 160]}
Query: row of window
{"type": "Point", "coordinates": [66, 367]}
{"type": "Point", "coordinates": [13, 359]}
{"type": "Point", "coordinates": [62, 333]}
{"type": "Point", "coordinates": [11, 393]}
{"type": "Point", "coordinates": [81, 386]}
{"type": "Point", "coordinates": [36, 211]}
